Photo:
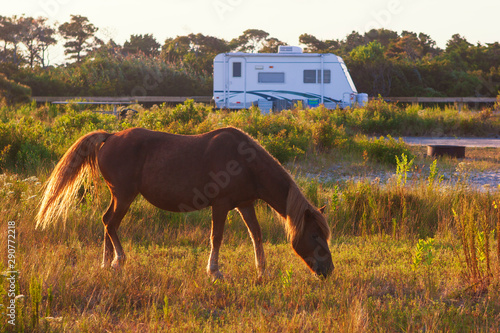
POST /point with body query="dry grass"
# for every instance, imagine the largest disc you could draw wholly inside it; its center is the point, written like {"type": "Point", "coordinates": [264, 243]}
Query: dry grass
{"type": "Point", "coordinates": [164, 287]}
{"type": "Point", "coordinates": [382, 282]}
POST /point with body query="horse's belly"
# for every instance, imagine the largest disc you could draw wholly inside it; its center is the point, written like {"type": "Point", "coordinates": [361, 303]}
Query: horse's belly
{"type": "Point", "coordinates": [192, 196]}
{"type": "Point", "coordinates": [178, 201]}
{"type": "Point", "coordinates": [190, 184]}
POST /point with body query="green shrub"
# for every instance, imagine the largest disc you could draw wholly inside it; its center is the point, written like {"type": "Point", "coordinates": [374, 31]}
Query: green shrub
{"type": "Point", "coordinates": [283, 145]}
{"type": "Point", "coordinates": [107, 74]}
{"type": "Point", "coordinates": [31, 156]}
{"type": "Point", "coordinates": [188, 112]}
{"type": "Point", "coordinates": [13, 92]}
{"type": "Point", "coordinates": [384, 150]}
{"type": "Point", "coordinates": [326, 136]}
{"type": "Point", "coordinates": [22, 146]}
{"type": "Point", "coordinates": [154, 120]}
{"type": "Point", "coordinates": [74, 124]}
{"type": "Point", "coordinates": [47, 130]}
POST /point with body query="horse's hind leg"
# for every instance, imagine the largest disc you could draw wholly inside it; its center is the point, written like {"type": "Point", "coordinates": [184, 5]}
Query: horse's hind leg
{"type": "Point", "coordinates": [248, 214]}
{"type": "Point", "coordinates": [218, 220]}
{"type": "Point", "coordinates": [111, 220]}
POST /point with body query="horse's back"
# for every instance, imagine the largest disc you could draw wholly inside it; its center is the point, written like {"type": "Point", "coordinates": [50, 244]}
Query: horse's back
{"type": "Point", "coordinates": [178, 172]}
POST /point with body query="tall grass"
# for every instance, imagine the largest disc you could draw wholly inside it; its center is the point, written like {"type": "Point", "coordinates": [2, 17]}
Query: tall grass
{"type": "Point", "coordinates": [31, 135]}
{"type": "Point", "coordinates": [374, 285]}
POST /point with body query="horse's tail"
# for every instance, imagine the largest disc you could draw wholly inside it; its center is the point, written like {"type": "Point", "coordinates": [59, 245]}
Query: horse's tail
{"type": "Point", "coordinates": [79, 162]}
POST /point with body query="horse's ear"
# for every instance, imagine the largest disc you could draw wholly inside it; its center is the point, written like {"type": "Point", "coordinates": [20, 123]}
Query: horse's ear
{"type": "Point", "coordinates": [322, 209]}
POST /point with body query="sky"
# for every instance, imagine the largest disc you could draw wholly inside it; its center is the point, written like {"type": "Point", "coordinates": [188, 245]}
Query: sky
{"type": "Point", "coordinates": [477, 21]}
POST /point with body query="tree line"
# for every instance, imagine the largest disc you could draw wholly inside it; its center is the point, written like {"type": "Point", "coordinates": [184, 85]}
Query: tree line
{"type": "Point", "coordinates": [381, 62]}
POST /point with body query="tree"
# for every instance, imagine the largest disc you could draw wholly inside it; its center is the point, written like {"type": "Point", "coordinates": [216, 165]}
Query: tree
{"type": "Point", "coordinates": [175, 49]}
{"type": "Point", "coordinates": [271, 45]}
{"type": "Point", "coordinates": [207, 44]}
{"type": "Point", "coordinates": [251, 40]}
{"type": "Point", "coordinates": [202, 52]}
{"type": "Point", "coordinates": [458, 50]}
{"type": "Point", "coordinates": [313, 44]}
{"type": "Point", "coordinates": [11, 31]}
{"type": "Point", "coordinates": [109, 50]}
{"type": "Point", "coordinates": [146, 45]}
{"type": "Point", "coordinates": [457, 43]}
{"type": "Point", "coordinates": [406, 47]}
{"type": "Point", "coordinates": [80, 36]}
{"type": "Point", "coordinates": [194, 51]}
{"type": "Point", "coordinates": [371, 53]}
{"type": "Point", "coordinates": [4, 36]}
{"type": "Point", "coordinates": [428, 45]}
{"type": "Point", "coordinates": [45, 38]}
{"type": "Point", "coordinates": [383, 36]}
{"type": "Point", "coordinates": [371, 66]}
{"type": "Point", "coordinates": [352, 41]}
{"type": "Point", "coordinates": [37, 36]}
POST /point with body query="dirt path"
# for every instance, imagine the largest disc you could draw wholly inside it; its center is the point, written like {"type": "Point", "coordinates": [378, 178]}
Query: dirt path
{"type": "Point", "coordinates": [453, 141]}
{"type": "Point", "coordinates": [485, 180]}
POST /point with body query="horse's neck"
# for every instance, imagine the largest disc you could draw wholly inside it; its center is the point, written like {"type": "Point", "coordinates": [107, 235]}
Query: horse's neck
{"type": "Point", "coordinates": [275, 190]}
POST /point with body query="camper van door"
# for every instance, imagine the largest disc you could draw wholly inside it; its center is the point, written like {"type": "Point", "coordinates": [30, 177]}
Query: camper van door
{"type": "Point", "coordinates": [237, 82]}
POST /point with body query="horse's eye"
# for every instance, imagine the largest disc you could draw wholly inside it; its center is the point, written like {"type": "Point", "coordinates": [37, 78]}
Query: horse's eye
{"type": "Point", "coordinates": [315, 236]}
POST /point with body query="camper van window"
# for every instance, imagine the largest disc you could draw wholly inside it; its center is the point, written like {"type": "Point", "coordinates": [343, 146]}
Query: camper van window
{"type": "Point", "coordinates": [236, 69]}
{"type": "Point", "coordinates": [326, 75]}
{"type": "Point", "coordinates": [271, 77]}
{"type": "Point", "coordinates": [309, 76]}
{"type": "Point", "coordinates": [314, 76]}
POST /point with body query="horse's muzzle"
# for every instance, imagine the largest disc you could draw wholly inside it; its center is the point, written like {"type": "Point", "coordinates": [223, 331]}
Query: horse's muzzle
{"type": "Point", "coordinates": [324, 270]}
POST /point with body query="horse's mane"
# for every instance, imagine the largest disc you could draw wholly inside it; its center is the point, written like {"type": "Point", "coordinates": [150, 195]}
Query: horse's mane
{"type": "Point", "coordinates": [296, 203]}
{"type": "Point", "coordinates": [296, 206]}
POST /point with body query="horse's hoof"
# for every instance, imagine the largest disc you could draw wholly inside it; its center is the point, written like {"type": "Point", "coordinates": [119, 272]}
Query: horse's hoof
{"type": "Point", "coordinates": [216, 276]}
{"type": "Point", "coordinates": [118, 263]}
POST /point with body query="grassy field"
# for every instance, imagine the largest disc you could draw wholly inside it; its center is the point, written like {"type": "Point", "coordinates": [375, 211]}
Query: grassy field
{"type": "Point", "coordinates": [417, 253]}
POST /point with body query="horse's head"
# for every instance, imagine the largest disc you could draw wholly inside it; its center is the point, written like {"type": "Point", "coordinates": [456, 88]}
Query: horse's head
{"type": "Point", "coordinates": [312, 244]}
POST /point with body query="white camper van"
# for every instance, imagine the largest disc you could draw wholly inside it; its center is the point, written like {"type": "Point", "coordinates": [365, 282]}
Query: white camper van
{"type": "Point", "coordinates": [275, 81]}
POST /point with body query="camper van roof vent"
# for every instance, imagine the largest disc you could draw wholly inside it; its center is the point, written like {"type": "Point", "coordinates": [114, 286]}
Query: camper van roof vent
{"type": "Point", "coordinates": [289, 49]}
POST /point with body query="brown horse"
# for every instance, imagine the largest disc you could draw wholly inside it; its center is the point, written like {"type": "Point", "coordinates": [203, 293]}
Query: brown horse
{"type": "Point", "coordinates": [224, 169]}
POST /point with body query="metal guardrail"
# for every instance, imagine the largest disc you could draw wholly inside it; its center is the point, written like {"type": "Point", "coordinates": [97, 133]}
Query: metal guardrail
{"type": "Point", "coordinates": [123, 99]}
{"type": "Point", "coordinates": [206, 99]}
{"type": "Point", "coordinates": [441, 99]}
{"type": "Point", "coordinates": [115, 105]}
{"type": "Point", "coordinates": [458, 101]}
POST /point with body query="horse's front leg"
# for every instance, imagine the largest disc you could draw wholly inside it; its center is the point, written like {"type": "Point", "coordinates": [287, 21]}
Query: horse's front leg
{"type": "Point", "coordinates": [248, 215]}
{"type": "Point", "coordinates": [108, 250]}
{"type": "Point", "coordinates": [218, 220]}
